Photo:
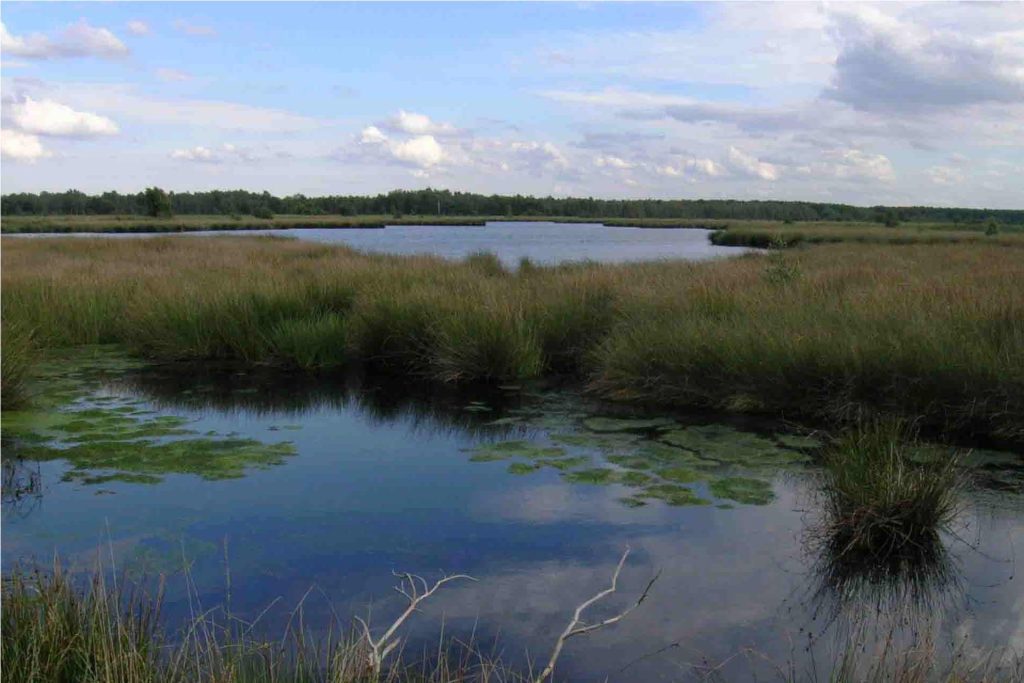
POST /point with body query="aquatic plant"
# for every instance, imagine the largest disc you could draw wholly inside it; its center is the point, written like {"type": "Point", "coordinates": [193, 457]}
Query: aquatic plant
{"type": "Point", "coordinates": [877, 500]}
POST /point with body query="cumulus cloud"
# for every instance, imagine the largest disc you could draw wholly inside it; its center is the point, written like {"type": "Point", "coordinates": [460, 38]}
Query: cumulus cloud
{"type": "Point", "coordinates": [418, 124]}
{"type": "Point", "coordinates": [46, 117]}
{"type": "Point", "coordinates": [20, 146]}
{"type": "Point", "coordinates": [76, 40]}
{"type": "Point", "coordinates": [423, 151]}
{"type": "Point", "coordinates": [372, 135]}
{"type": "Point", "coordinates": [611, 161]}
{"type": "Point", "coordinates": [745, 164]}
{"type": "Point", "coordinates": [137, 28]}
{"type": "Point", "coordinates": [900, 62]}
{"type": "Point", "coordinates": [190, 29]}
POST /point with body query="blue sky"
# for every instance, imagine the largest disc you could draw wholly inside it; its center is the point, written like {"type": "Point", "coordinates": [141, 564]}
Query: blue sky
{"type": "Point", "coordinates": [905, 104]}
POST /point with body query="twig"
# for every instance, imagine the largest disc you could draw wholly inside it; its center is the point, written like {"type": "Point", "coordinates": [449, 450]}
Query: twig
{"type": "Point", "coordinates": [578, 627]}
{"type": "Point", "coordinates": [415, 590]}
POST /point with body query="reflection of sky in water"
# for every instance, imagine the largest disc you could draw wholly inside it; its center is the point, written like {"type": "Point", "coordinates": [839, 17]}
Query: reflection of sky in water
{"type": "Point", "coordinates": [540, 241]}
{"type": "Point", "coordinates": [368, 494]}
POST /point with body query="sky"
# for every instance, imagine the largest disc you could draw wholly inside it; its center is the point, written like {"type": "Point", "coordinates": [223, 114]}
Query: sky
{"type": "Point", "coordinates": [898, 104]}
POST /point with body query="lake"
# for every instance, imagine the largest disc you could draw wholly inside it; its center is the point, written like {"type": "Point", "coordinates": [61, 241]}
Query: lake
{"type": "Point", "coordinates": [286, 482]}
{"type": "Point", "coordinates": [542, 242]}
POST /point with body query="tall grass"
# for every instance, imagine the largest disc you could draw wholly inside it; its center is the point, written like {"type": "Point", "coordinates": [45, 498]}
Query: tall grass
{"type": "Point", "coordinates": [850, 331]}
{"type": "Point", "coordinates": [57, 631]}
{"type": "Point", "coordinates": [16, 357]}
{"type": "Point", "coordinates": [880, 499]}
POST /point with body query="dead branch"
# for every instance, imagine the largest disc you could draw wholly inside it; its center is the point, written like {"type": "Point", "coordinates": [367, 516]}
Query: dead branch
{"type": "Point", "coordinates": [578, 627]}
{"type": "Point", "coordinates": [415, 590]}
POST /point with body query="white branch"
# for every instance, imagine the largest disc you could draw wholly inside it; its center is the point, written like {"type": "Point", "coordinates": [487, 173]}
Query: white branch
{"type": "Point", "coordinates": [415, 590]}
{"type": "Point", "coordinates": [578, 627]}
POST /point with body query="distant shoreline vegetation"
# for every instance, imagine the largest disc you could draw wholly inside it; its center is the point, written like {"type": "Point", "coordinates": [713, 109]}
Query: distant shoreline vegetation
{"type": "Point", "coordinates": [445, 204]}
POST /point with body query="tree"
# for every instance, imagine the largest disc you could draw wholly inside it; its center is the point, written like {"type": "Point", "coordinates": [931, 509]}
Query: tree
{"type": "Point", "coordinates": [156, 203]}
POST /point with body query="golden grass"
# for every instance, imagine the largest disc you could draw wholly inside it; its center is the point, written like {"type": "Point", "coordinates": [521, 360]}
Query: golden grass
{"type": "Point", "coordinates": [836, 332]}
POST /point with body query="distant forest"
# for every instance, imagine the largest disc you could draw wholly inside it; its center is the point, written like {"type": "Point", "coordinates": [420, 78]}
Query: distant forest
{"type": "Point", "coordinates": [444, 202]}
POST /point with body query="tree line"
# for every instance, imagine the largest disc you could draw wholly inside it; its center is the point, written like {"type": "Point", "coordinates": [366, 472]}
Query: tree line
{"type": "Point", "coordinates": [154, 201]}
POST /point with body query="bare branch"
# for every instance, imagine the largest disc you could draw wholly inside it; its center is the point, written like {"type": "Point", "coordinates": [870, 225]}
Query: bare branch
{"type": "Point", "coordinates": [578, 627]}
{"type": "Point", "coordinates": [415, 589]}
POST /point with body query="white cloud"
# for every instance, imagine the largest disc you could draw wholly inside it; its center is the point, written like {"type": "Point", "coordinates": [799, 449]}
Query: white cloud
{"type": "Point", "coordinates": [743, 163]}
{"type": "Point", "coordinates": [172, 75]}
{"type": "Point", "coordinates": [76, 40]}
{"type": "Point", "coordinates": [227, 152]}
{"type": "Point", "coordinates": [945, 175]}
{"type": "Point", "coordinates": [137, 28]}
{"type": "Point", "coordinates": [371, 135]}
{"type": "Point", "coordinates": [46, 117]}
{"type": "Point", "coordinates": [418, 124]}
{"type": "Point", "coordinates": [610, 161]}
{"type": "Point", "coordinates": [188, 28]}
{"type": "Point", "coordinates": [199, 153]}
{"type": "Point", "coordinates": [423, 151]}
{"type": "Point", "coordinates": [21, 146]}
{"type": "Point", "coordinates": [128, 104]}
{"type": "Point", "coordinates": [901, 60]}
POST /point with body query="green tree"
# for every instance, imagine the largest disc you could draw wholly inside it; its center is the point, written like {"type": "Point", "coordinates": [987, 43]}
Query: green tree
{"type": "Point", "coordinates": [157, 203]}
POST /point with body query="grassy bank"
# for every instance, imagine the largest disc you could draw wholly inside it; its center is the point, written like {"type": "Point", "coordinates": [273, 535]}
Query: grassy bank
{"type": "Point", "coordinates": [833, 333]}
{"type": "Point", "coordinates": [767, 235]}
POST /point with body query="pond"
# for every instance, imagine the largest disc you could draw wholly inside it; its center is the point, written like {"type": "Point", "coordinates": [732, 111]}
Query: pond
{"type": "Point", "coordinates": [287, 482]}
{"type": "Point", "coordinates": [542, 242]}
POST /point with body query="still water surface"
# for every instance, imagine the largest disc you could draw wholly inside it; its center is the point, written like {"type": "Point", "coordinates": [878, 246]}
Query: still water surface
{"type": "Point", "coordinates": [542, 242]}
{"type": "Point", "coordinates": [335, 483]}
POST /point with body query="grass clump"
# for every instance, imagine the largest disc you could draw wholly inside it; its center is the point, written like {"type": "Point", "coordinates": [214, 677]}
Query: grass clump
{"type": "Point", "coordinates": [877, 500]}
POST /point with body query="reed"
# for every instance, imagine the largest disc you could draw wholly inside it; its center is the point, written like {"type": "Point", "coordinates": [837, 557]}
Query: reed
{"type": "Point", "coordinates": [834, 333]}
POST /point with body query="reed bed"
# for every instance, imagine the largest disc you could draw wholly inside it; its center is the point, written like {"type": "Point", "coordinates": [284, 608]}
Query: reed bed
{"type": "Point", "coordinates": [767, 236]}
{"type": "Point", "coordinates": [837, 332]}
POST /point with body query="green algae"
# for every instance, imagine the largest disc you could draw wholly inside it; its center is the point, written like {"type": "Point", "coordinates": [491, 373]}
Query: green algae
{"type": "Point", "coordinates": [614, 424]}
{"type": "Point", "coordinates": [563, 464]}
{"type": "Point", "coordinates": [633, 462]}
{"type": "Point", "coordinates": [743, 490]}
{"type": "Point", "coordinates": [731, 446]}
{"type": "Point", "coordinates": [672, 494]}
{"type": "Point", "coordinates": [594, 475]}
{"type": "Point", "coordinates": [523, 467]}
{"type": "Point", "coordinates": [633, 502]}
{"type": "Point", "coordinates": [107, 438]}
{"type": "Point", "coordinates": [515, 449]}
{"type": "Point", "coordinates": [681, 475]}
{"type": "Point", "coordinates": [633, 478]}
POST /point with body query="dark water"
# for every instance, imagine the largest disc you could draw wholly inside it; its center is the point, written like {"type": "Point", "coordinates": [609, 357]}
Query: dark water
{"type": "Point", "coordinates": [542, 242]}
{"type": "Point", "coordinates": [380, 478]}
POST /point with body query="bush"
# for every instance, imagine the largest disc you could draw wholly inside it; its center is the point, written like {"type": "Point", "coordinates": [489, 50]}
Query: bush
{"type": "Point", "coordinates": [263, 212]}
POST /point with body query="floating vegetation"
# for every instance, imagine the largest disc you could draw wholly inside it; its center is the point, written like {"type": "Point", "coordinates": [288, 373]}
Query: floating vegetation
{"type": "Point", "coordinates": [743, 490]}
{"type": "Point", "coordinates": [110, 438]}
{"type": "Point", "coordinates": [679, 474]}
{"type": "Point", "coordinates": [594, 475]}
{"type": "Point", "coordinates": [673, 494]}
{"type": "Point", "coordinates": [523, 467]}
{"type": "Point", "coordinates": [731, 446]}
{"type": "Point", "coordinates": [515, 449]}
{"type": "Point", "coordinates": [798, 441]}
{"type": "Point", "coordinates": [613, 424]}
{"type": "Point", "coordinates": [563, 464]}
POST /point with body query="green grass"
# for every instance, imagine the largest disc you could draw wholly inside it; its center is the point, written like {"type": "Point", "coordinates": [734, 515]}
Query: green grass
{"type": "Point", "coordinates": [929, 331]}
{"type": "Point", "coordinates": [768, 235]}
{"type": "Point", "coordinates": [879, 500]}
{"type": "Point", "coordinates": [16, 357]}
{"type": "Point", "coordinates": [57, 631]}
